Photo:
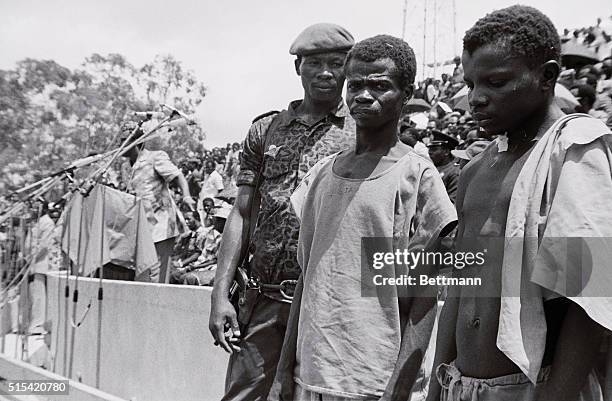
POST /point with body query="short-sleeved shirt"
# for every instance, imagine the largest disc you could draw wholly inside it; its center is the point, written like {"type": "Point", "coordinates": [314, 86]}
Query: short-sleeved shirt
{"type": "Point", "coordinates": [149, 180]}
{"type": "Point", "coordinates": [348, 343]}
{"type": "Point", "coordinates": [292, 147]}
{"type": "Point", "coordinates": [190, 244]}
{"type": "Point", "coordinates": [211, 186]}
{"type": "Point", "coordinates": [210, 245]}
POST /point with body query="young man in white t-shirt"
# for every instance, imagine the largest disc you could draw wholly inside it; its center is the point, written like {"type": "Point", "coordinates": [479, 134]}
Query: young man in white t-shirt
{"type": "Point", "coordinates": [212, 185]}
{"type": "Point", "coordinates": [347, 338]}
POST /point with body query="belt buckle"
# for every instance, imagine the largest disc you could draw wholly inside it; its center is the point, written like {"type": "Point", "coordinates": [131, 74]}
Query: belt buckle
{"type": "Point", "coordinates": [254, 284]}
{"type": "Point", "coordinates": [282, 288]}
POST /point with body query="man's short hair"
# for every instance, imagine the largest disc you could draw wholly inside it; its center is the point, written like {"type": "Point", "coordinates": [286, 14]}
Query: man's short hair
{"type": "Point", "coordinates": [415, 132]}
{"type": "Point", "coordinates": [127, 127]}
{"type": "Point", "coordinates": [524, 31]}
{"type": "Point", "coordinates": [586, 92]}
{"type": "Point", "coordinates": [386, 46]}
{"type": "Point", "coordinates": [590, 79]}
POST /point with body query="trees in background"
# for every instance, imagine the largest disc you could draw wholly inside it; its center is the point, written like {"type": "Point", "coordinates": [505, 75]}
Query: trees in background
{"type": "Point", "coordinates": [51, 115]}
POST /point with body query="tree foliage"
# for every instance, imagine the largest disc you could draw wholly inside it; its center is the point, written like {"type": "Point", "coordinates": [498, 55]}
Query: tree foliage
{"type": "Point", "coordinates": [51, 115]}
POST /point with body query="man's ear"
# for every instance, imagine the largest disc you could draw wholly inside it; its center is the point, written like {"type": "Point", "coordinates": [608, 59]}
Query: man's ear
{"type": "Point", "coordinates": [297, 63]}
{"type": "Point", "coordinates": [549, 73]}
{"type": "Point", "coordinates": [408, 91]}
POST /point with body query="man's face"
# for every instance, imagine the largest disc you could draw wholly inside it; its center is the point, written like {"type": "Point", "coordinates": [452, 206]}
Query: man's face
{"type": "Point", "coordinates": [581, 80]}
{"type": "Point", "coordinates": [504, 91]}
{"type": "Point", "coordinates": [373, 92]}
{"type": "Point", "coordinates": [207, 205]}
{"type": "Point", "coordinates": [37, 205]}
{"type": "Point", "coordinates": [132, 153]}
{"type": "Point", "coordinates": [209, 167]}
{"type": "Point", "coordinates": [322, 75]}
{"type": "Point", "coordinates": [408, 137]}
{"type": "Point", "coordinates": [439, 155]}
{"type": "Point", "coordinates": [55, 214]}
{"type": "Point", "coordinates": [452, 124]}
{"type": "Point", "coordinates": [191, 221]}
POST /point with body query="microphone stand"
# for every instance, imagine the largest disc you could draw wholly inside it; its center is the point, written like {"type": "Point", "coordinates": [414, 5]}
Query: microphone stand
{"type": "Point", "coordinates": [85, 189]}
{"type": "Point", "coordinates": [88, 184]}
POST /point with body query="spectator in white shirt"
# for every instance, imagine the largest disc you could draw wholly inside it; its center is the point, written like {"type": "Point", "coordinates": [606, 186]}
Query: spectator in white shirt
{"type": "Point", "coordinates": [212, 185]}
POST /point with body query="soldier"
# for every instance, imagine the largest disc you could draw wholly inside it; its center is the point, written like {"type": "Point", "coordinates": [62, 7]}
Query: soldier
{"type": "Point", "coordinates": [279, 150]}
{"type": "Point", "coordinates": [440, 153]}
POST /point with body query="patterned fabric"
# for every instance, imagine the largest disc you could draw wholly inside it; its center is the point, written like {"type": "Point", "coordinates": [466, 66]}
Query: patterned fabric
{"type": "Point", "coordinates": [190, 244]}
{"type": "Point", "coordinates": [151, 174]}
{"type": "Point", "coordinates": [291, 150]}
{"type": "Point", "coordinates": [210, 245]}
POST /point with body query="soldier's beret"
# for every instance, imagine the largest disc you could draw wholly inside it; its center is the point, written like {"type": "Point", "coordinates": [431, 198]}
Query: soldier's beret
{"type": "Point", "coordinates": [321, 38]}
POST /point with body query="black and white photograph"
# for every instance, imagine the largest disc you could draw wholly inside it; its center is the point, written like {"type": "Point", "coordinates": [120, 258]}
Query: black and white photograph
{"type": "Point", "coordinates": [322, 200]}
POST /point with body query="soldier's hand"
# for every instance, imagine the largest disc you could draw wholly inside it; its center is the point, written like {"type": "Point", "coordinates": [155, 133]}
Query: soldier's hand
{"type": "Point", "coordinates": [223, 325]}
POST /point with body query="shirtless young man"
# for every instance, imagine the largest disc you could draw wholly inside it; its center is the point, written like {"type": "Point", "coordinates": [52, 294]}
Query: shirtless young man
{"type": "Point", "coordinates": [510, 62]}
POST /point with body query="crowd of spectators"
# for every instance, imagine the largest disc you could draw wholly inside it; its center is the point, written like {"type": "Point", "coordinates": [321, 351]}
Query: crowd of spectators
{"type": "Point", "coordinates": [439, 109]}
{"type": "Point", "coordinates": [211, 178]}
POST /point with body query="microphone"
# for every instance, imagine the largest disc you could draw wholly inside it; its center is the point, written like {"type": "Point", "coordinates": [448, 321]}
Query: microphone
{"type": "Point", "coordinates": [86, 161]}
{"type": "Point", "coordinates": [179, 122]}
{"type": "Point", "coordinates": [190, 119]}
{"type": "Point", "coordinates": [149, 114]}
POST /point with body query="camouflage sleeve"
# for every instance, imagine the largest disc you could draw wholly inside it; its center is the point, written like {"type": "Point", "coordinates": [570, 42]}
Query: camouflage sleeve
{"type": "Point", "coordinates": [251, 157]}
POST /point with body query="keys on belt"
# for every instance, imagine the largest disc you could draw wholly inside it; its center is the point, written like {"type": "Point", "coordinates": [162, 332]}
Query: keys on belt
{"type": "Point", "coordinates": [285, 287]}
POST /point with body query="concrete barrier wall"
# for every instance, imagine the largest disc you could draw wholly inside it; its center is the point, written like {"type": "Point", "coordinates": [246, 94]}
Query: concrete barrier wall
{"type": "Point", "coordinates": [155, 340]}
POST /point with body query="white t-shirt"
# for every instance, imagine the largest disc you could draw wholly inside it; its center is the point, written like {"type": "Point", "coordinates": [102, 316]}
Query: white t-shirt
{"type": "Point", "coordinates": [211, 186]}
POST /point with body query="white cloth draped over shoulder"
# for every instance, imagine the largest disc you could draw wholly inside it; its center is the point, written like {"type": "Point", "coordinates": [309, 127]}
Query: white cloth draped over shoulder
{"type": "Point", "coordinates": [558, 236]}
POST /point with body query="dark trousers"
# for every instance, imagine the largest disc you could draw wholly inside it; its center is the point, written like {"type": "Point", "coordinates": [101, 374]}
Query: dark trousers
{"type": "Point", "coordinates": [159, 272]}
{"type": "Point", "coordinates": [251, 371]}
{"type": "Point", "coordinates": [116, 272]}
